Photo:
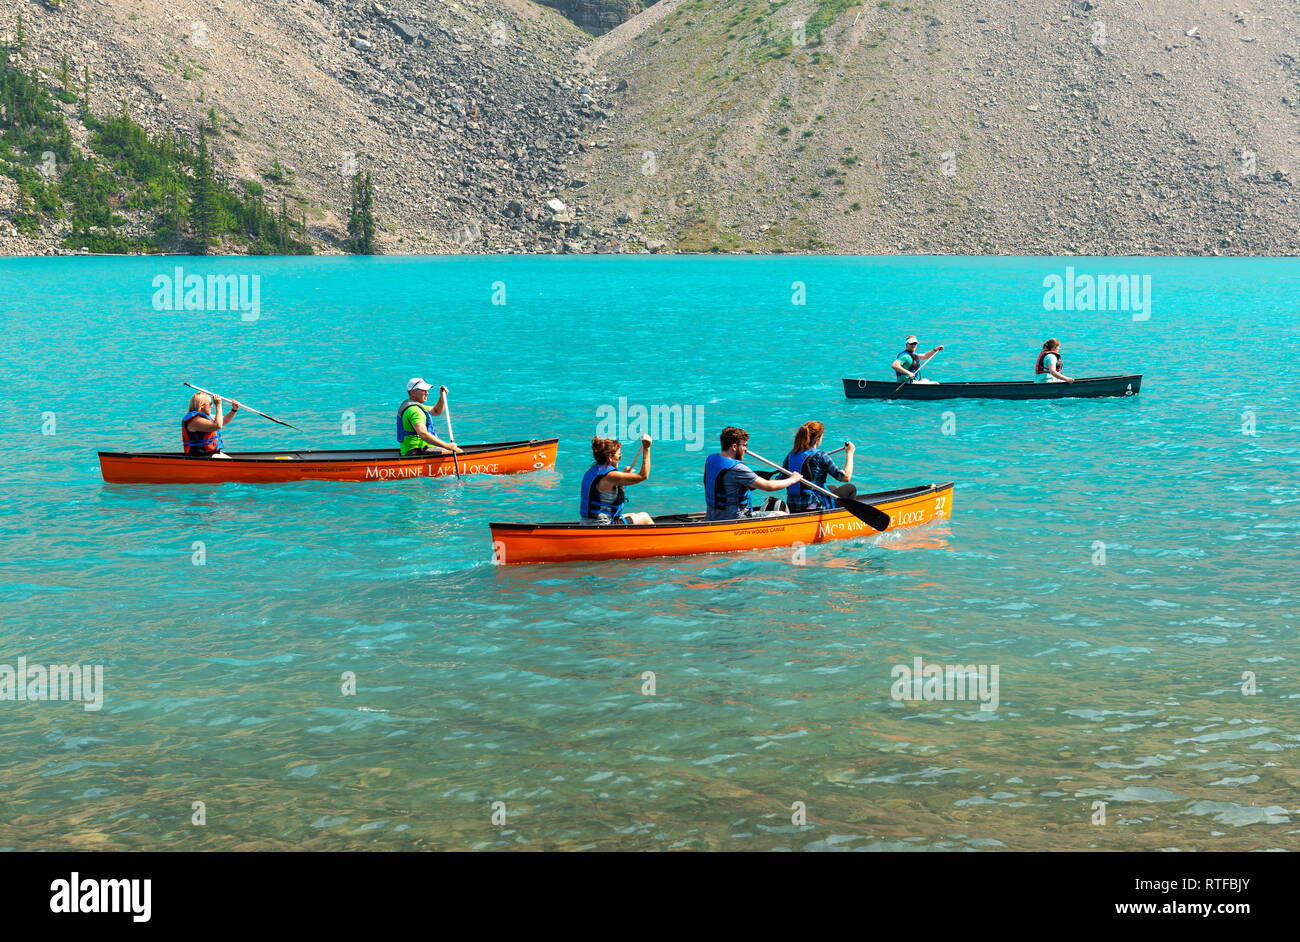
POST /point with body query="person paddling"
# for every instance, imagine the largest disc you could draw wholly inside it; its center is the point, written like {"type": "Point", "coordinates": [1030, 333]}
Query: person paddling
{"type": "Point", "coordinates": [807, 458]}
{"type": "Point", "coordinates": [909, 361]}
{"type": "Point", "coordinates": [201, 426]}
{"type": "Point", "coordinates": [1050, 363]}
{"type": "Point", "coordinates": [727, 481]}
{"type": "Point", "coordinates": [603, 495]}
{"type": "Point", "coordinates": [414, 429]}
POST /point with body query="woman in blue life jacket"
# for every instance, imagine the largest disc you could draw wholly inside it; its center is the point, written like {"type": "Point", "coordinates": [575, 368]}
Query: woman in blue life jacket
{"type": "Point", "coordinates": [907, 363]}
{"type": "Point", "coordinates": [807, 458]}
{"type": "Point", "coordinates": [728, 480]}
{"type": "Point", "coordinates": [603, 495]}
{"type": "Point", "coordinates": [1050, 363]}
{"type": "Point", "coordinates": [201, 426]}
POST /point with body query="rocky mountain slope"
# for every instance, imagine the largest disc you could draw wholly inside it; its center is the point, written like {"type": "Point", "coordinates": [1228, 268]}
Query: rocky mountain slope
{"type": "Point", "coordinates": [465, 111]}
{"type": "Point", "coordinates": [598, 16]}
{"type": "Point", "coordinates": [1114, 127]}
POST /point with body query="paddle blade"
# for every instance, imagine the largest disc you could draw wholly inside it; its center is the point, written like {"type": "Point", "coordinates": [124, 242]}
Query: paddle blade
{"type": "Point", "coordinates": [275, 420]}
{"type": "Point", "coordinates": [873, 517]}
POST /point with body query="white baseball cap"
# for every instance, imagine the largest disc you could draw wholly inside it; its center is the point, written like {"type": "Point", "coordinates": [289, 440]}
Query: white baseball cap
{"type": "Point", "coordinates": [417, 383]}
{"type": "Point", "coordinates": [910, 340]}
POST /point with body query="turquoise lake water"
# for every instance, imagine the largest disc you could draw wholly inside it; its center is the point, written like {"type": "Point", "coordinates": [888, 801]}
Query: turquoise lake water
{"type": "Point", "coordinates": [1121, 562]}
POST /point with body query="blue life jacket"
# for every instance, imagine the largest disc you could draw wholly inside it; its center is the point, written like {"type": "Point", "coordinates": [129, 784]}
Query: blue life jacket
{"type": "Point", "coordinates": [715, 492]}
{"type": "Point", "coordinates": [402, 433]}
{"type": "Point", "coordinates": [206, 445]}
{"type": "Point", "coordinates": [909, 360]}
{"type": "Point", "coordinates": [801, 497]}
{"type": "Point", "coordinates": [591, 504]}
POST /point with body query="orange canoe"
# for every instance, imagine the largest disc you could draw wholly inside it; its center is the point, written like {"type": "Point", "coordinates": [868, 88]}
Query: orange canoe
{"type": "Point", "coordinates": [688, 534]}
{"type": "Point", "coordinates": [272, 467]}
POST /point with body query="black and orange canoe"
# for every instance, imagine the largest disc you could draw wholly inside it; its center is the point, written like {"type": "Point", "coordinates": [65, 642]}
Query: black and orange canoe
{"type": "Point", "coordinates": [1089, 387]}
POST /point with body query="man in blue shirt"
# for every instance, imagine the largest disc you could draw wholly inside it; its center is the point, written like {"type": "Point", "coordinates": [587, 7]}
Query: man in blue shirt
{"type": "Point", "coordinates": [727, 481]}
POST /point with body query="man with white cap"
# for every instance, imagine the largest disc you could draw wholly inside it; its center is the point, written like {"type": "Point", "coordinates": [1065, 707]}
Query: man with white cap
{"type": "Point", "coordinates": [909, 361]}
{"type": "Point", "coordinates": [414, 427]}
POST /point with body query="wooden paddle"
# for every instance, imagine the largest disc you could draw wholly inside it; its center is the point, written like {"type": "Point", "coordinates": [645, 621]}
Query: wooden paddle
{"type": "Point", "coordinates": [873, 517]}
{"type": "Point", "coordinates": [640, 446]}
{"type": "Point", "coordinates": [451, 436]}
{"type": "Point", "coordinates": [912, 378]}
{"type": "Point", "coordinates": [242, 406]}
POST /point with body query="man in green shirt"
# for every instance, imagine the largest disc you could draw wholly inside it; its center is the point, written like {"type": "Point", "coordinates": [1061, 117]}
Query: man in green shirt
{"type": "Point", "coordinates": [414, 427]}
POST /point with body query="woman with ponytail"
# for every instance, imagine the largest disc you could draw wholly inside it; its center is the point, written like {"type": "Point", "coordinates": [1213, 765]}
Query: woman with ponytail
{"type": "Point", "coordinates": [1049, 365]}
{"type": "Point", "coordinates": [807, 458]}
{"type": "Point", "coordinates": [603, 495]}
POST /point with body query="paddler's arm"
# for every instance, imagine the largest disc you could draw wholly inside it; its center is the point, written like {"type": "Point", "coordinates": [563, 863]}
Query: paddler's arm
{"type": "Point", "coordinates": [437, 407]}
{"type": "Point", "coordinates": [776, 484]}
{"type": "Point", "coordinates": [422, 430]}
{"type": "Point", "coordinates": [219, 420]}
{"type": "Point", "coordinates": [633, 477]}
{"type": "Point", "coordinates": [925, 356]}
{"type": "Point", "coordinates": [1059, 375]}
{"type": "Point", "coordinates": [848, 461]}
{"type": "Point", "coordinates": [898, 368]}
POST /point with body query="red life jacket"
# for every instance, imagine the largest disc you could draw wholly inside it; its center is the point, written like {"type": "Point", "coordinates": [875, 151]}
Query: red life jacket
{"type": "Point", "coordinates": [205, 444]}
{"type": "Point", "coordinates": [1060, 361]}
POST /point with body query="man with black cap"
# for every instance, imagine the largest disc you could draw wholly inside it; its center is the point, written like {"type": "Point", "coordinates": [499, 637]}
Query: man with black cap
{"type": "Point", "coordinates": [414, 427]}
{"type": "Point", "coordinates": [909, 361]}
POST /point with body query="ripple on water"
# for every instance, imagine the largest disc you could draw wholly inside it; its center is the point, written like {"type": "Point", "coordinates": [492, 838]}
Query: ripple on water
{"type": "Point", "coordinates": [1122, 562]}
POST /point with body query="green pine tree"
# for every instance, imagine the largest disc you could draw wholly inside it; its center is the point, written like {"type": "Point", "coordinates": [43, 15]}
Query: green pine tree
{"type": "Point", "coordinates": [203, 197]}
{"type": "Point", "coordinates": [368, 215]}
{"type": "Point", "coordinates": [20, 37]}
{"type": "Point", "coordinates": [86, 90]}
{"type": "Point", "coordinates": [361, 216]}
